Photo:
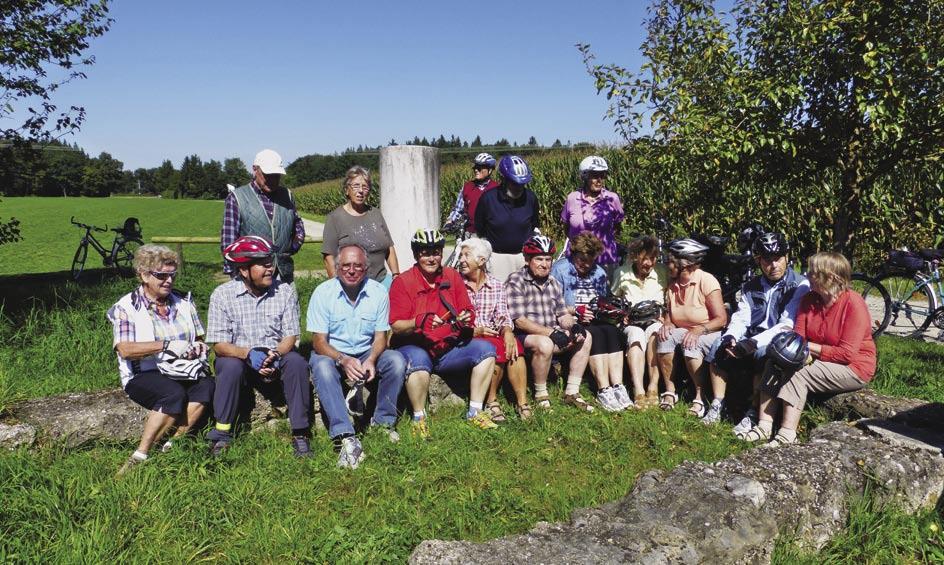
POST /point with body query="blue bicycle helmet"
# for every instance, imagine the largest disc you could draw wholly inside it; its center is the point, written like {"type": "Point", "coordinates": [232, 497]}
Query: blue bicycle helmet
{"type": "Point", "coordinates": [515, 169]}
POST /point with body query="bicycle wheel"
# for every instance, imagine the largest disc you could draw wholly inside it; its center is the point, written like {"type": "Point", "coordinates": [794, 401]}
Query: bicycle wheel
{"type": "Point", "coordinates": [876, 298]}
{"type": "Point", "coordinates": [78, 261]}
{"type": "Point", "coordinates": [911, 303]}
{"type": "Point", "coordinates": [124, 256]}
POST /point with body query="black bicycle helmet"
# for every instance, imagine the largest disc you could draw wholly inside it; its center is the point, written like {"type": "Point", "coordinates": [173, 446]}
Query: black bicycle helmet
{"type": "Point", "coordinates": [688, 249]}
{"type": "Point", "coordinates": [788, 350]}
{"type": "Point", "coordinates": [427, 239]}
{"type": "Point", "coordinates": [645, 312]}
{"type": "Point", "coordinates": [771, 244]}
{"type": "Point", "coordinates": [746, 238]}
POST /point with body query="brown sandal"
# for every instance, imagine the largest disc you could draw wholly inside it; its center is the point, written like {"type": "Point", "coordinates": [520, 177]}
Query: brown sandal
{"type": "Point", "coordinates": [524, 412]}
{"type": "Point", "coordinates": [495, 411]}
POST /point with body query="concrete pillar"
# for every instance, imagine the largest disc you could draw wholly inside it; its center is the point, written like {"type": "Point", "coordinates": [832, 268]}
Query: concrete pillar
{"type": "Point", "coordinates": [409, 194]}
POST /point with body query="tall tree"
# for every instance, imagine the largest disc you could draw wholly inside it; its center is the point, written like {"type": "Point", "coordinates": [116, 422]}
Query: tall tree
{"type": "Point", "coordinates": [166, 179]}
{"type": "Point", "coordinates": [102, 176]}
{"type": "Point", "coordinates": [788, 89]}
{"type": "Point", "coordinates": [235, 171]}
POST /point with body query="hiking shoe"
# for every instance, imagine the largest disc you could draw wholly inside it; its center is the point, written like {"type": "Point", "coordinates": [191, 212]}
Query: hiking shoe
{"type": "Point", "coordinates": [713, 415]}
{"type": "Point", "coordinates": [390, 432]}
{"type": "Point", "coordinates": [607, 399]}
{"type": "Point", "coordinates": [482, 421]}
{"type": "Point", "coordinates": [419, 428]}
{"type": "Point", "coordinates": [747, 422]}
{"type": "Point", "coordinates": [351, 453]}
{"type": "Point", "coordinates": [301, 447]}
{"type": "Point", "coordinates": [622, 396]}
{"type": "Point", "coordinates": [578, 402]}
{"type": "Point", "coordinates": [355, 400]}
{"type": "Point", "coordinates": [218, 447]}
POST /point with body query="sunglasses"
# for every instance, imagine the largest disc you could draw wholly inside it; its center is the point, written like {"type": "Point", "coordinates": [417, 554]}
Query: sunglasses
{"type": "Point", "coordinates": [163, 275]}
{"type": "Point", "coordinates": [481, 168]}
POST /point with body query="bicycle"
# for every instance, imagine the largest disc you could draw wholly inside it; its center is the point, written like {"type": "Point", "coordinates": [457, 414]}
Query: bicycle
{"type": "Point", "coordinates": [911, 291]}
{"type": "Point", "coordinates": [121, 255]}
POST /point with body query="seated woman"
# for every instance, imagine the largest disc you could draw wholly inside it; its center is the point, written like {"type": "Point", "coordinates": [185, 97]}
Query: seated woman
{"type": "Point", "coordinates": [162, 364]}
{"type": "Point", "coordinates": [358, 222]}
{"type": "Point", "coordinates": [836, 323]}
{"type": "Point", "coordinates": [694, 318]}
{"type": "Point", "coordinates": [583, 280]}
{"type": "Point", "coordinates": [640, 279]}
{"type": "Point", "coordinates": [492, 323]}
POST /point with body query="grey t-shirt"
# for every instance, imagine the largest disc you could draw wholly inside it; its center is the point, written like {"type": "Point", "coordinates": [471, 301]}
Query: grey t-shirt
{"type": "Point", "coordinates": [369, 231]}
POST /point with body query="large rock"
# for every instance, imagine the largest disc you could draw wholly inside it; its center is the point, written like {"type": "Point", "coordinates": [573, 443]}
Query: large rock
{"type": "Point", "coordinates": [727, 512]}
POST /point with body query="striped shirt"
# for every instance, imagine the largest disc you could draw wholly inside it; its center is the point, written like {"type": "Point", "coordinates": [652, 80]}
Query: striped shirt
{"type": "Point", "coordinates": [238, 317]}
{"type": "Point", "coordinates": [491, 307]}
{"type": "Point", "coordinates": [169, 326]}
{"type": "Point", "coordinates": [542, 302]}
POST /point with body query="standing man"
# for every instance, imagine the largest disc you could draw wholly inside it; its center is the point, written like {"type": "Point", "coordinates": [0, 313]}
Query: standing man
{"type": "Point", "coordinates": [253, 324]}
{"type": "Point", "coordinates": [266, 209]}
{"type": "Point", "coordinates": [348, 319]}
{"type": "Point", "coordinates": [507, 216]}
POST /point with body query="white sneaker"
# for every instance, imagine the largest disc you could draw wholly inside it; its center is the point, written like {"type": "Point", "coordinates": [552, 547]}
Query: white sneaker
{"type": "Point", "coordinates": [747, 422]}
{"type": "Point", "coordinates": [351, 453]}
{"type": "Point", "coordinates": [713, 416]}
{"type": "Point", "coordinates": [622, 396]}
{"type": "Point", "coordinates": [607, 399]}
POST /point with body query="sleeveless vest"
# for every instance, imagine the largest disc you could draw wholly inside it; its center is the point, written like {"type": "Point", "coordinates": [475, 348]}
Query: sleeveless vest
{"type": "Point", "coordinates": [753, 292]}
{"type": "Point", "coordinates": [253, 220]}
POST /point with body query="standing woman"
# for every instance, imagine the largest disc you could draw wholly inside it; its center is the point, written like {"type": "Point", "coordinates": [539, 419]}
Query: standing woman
{"type": "Point", "coordinates": [595, 209]}
{"type": "Point", "coordinates": [162, 364]}
{"type": "Point", "coordinates": [356, 222]}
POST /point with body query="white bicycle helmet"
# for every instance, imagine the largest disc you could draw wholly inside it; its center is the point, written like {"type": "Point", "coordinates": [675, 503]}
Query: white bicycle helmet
{"type": "Point", "coordinates": [591, 164]}
{"type": "Point", "coordinates": [688, 249]}
{"type": "Point", "coordinates": [485, 159]}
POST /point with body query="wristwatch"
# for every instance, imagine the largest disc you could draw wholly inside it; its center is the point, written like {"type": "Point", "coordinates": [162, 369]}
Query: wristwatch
{"type": "Point", "coordinates": [339, 359]}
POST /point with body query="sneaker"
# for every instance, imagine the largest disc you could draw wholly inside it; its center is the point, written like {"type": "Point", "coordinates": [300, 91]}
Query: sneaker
{"type": "Point", "coordinates": [391, 433]}
{"type": "Point", "coordinates": [355, 400]}
{"type": "Point", "coordinates": [713, 416]}
{"type": "Point", "coordinates": [747, 422]}
{"type": "Point", "coordinates": [622, 396]}
{"type": "Point", "coordinates": [482, 420]}
{"type": "Point", "coordinates": [218, 447]}
{"type": "Point", "coordinates": [130, 464]}
{"type": "Point", "coordinates": [607, 400]}
{"type": "Point", "coordinates": [168, 445]}
{"type": "Point", "coordinates": [351, 453]}
{"type": "Point", "coordinates": [301, 446]}
{"type": "Point", "coordinates": [578, 402]}
{"type": "Point", "coordinates": [419, 428]}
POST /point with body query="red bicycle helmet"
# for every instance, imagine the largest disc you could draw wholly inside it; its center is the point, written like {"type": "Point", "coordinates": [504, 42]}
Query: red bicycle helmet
{"type": "Point", "coordinates": [539, 245]}
{"type": "Point", "coordinates": [248, 248]}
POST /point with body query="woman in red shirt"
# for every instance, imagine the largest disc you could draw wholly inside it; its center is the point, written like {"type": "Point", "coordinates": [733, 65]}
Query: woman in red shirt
{"type": "Point", "coordinates": [836, 323]}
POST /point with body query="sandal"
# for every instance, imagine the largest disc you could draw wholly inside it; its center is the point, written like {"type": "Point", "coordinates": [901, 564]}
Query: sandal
{"type": "Point", "coordinates": [577, 401]}
{"type": "Point", "coordinates": [543, 402]}
{"type": "Point", "coordinates": [524, 412]}
{"type": "Point", "coordinates": [755, 434]}
{"type": "Point", "coordinates": [495, 411]}
{"type": "Point", "coordinates": [641, 402]}
{"type": "Point", "coordinates": [667, 400]}
{"type": "Point", "coordinates": [697, 412]}
{"type": "Point", "coordinates": [779, 440]}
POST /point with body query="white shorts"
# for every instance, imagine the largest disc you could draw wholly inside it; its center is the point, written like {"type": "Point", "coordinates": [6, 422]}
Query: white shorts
{"type": "Point", "coordinates": [635, 334]}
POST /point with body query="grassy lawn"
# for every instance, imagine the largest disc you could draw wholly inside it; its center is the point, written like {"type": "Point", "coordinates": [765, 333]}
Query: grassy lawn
{"type": "Point", "coordinates": [49, 240]}
{"type": "Point", "coordinates": [260, 504]}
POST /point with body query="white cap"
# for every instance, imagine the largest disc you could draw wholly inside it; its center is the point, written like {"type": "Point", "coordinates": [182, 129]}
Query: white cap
{"type": "Point", "coordinates": [269, 162]}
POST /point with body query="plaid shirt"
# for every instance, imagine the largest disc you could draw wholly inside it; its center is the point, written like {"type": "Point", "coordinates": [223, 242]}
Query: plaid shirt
{"type": "Point", "coordinates": [165, 327]}
{"type": "Point", "coordinates": [542, 302]}
{"type": "Point", "coordinates": [491, 308]}
{"type": "Point", "coordinates": [229, 232]}
{"type": "Point", "coordinates": [238, 317]}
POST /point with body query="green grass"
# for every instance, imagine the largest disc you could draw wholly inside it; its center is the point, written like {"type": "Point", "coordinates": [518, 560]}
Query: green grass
{"type": "Point", "coordinates": [49, 240]}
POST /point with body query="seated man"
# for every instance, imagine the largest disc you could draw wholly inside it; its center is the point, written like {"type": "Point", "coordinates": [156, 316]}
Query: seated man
{"type": "Point", "coordinates": [638, 280]}
{"type": "Point", "coordinates": [253, 324]}
{"type": "Point", "coordinates": [347, 317]}
{"type": "Point", "coordinates": [432, 320]}
{"type": "Point", "coordinates": [767, 307]}
{"type": "Point", "coordinates": [537, 308]}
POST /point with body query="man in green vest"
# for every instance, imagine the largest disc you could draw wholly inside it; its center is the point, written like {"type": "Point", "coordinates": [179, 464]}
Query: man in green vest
{"type": "Point", "coordinates": [264, 208]}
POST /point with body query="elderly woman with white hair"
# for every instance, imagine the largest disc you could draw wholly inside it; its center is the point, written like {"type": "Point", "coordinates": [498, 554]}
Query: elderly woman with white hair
{"type": "Point", "coordinates": [493, 324]}
{"type": "Point", "coordinates": [161, 358]}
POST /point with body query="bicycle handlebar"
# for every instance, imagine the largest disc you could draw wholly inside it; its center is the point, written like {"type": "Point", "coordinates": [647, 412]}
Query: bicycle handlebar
{"type": "Point", "coordinates": [86, 226]}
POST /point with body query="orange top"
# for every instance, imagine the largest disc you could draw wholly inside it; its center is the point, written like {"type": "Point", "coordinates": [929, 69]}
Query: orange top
{"type": "Point", "coordinates": [688, 305]}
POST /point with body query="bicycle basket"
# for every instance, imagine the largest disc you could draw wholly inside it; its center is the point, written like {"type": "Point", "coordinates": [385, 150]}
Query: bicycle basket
{"type": "Point", "coordinates": [904, 261]}
{"type": "Point", "coordinates": [132, 228]}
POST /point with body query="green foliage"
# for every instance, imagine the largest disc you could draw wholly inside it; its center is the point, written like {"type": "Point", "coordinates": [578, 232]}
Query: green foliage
{"type": "Point", "coordinates": [810, 93]}
{"type": "Point", "coordinates": [42, 47]}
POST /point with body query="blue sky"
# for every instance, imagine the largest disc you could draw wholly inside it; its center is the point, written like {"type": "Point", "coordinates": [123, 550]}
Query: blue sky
{"type": "Point", "coordinates": [221, 79]}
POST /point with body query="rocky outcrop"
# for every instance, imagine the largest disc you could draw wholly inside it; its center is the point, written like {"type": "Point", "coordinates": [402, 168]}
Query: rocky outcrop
{"type": "Point", "coordinates": [727, 512]}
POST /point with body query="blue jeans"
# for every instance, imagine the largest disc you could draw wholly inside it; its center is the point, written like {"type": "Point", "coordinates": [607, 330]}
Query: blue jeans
{"type": "Point", "coordinates": [327, 378]}
{"type": "Point", "coordinates": [457, 360]}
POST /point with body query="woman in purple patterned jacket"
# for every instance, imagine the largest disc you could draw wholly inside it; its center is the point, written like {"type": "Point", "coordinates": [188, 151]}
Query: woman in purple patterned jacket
{"type": "Point", "coordinates": [595, 209]}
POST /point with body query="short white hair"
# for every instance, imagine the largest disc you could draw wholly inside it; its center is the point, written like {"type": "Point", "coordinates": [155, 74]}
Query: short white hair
{"type": "Point", "coordinates": [479, 247]}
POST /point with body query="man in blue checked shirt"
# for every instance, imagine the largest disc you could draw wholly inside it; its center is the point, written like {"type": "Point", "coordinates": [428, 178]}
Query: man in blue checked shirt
{"type": "Point", "coordinates": [348, 318]}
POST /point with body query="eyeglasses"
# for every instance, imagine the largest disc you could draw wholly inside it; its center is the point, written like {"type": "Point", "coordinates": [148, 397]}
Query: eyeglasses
{"type": "Point", "coordinates": [355, 267]}
{"type": "Point", "coordinates": [163, 275]}
{"type": "Point", "coordinates": [358, 186]}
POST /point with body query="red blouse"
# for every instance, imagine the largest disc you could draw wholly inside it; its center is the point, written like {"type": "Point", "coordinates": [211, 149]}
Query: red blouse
{"type": "Point", "coordinates": [844, 330]}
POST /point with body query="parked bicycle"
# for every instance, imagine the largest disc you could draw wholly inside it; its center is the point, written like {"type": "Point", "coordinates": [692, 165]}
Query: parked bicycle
{"type": "Point", "coordinates": [908, 293]}
{"type": "Point", "coordinates": [127, 240]}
